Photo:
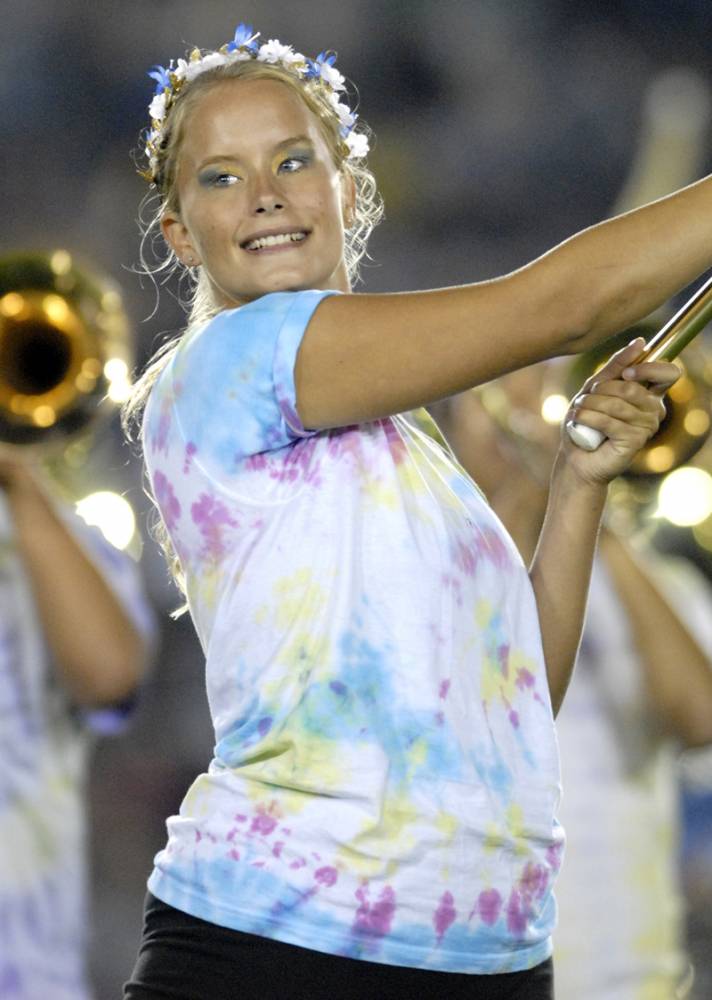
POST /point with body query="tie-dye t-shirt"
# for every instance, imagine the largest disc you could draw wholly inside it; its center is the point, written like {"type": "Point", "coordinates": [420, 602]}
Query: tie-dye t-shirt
{"type": "Point", "coordinates": [385, 772]}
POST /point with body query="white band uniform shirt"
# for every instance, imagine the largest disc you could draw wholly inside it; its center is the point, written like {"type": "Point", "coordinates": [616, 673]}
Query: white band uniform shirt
{"type": "Point", "coordinates": [621, 927]}
{"type": "Point", "coordinates": [385, 774]}
{"type": "Point", "coordinates": [44, 743]}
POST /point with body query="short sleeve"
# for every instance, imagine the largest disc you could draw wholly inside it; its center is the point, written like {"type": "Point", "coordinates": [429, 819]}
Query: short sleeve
{"type": "Point", "coordinates": [233, 381]}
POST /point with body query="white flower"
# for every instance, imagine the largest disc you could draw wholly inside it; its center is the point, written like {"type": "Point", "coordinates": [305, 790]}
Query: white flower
{"type": "Point", "coordinates": [358, 145]}
{"type": "Point", "coordinates": [347, 119]}
{"type": "Point", "coordinates": [297, 63]}
{"type": "Point", "coordinates": [210, 61]}
{"type": "Point", "coordinates": [157, 107]}
{"type": "Point", "coordinates": [180, 69]}
{"type": "Point", "coordinates": [273, 51]}
{"type": "Point", "coordinates": [331, 75]}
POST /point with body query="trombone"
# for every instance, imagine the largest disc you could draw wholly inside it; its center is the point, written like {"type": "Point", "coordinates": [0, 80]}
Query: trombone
{"type": "Point", "coordinates": [66, 353]}
{"type": "Point", "coordinates": [65, 348]}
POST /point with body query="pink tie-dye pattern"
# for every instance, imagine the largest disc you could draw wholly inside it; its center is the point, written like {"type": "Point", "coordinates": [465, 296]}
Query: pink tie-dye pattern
{"type": "Point", "coordinates": [256, 463]}
{"type": "Point", "coordinates": [492, 545]}
{"type": "Point", "coordinates": [212, 517]}
{"type": "Point", "coordinates": [532, 885]}
{"type": "Point", "coordinates": [445, 915]}
{"type": "Point", "coordinates": [489, 906]}
{"type": "Point", "coordinates": [485, 544]}
{"type": "Point", "coordinates": [397, 445]}
{"type": "Point", "coordinates": [534, 881]}
{"type": "Point", "coordinates": [290, 466]}
{"type": "Point", "coordinates": [263, 824]}
{"type": "Point", "coordinates": [327, 875]}
{"type": "Point", "coordinates": [374, 920]}
{"type": "Point", "coordinates": [166, 500]}
{"type": "Point", "coordinates": [553, 856]}
{"type": "Point", "coordinates": [159, 440]}
{"type": "Point", "coordinates": [190, 450]}
{"type": "Point", "coordinates": [452, 583]}
{"type": "Point", "coordinates": [525, 679]}
{"type": "Point", "coordinates": [465, 557]}
{"type": "Point", "coordinates": [344, 442]}
{"type": "Point", "coordinates": [516, 914]}
{"type": "Point", "coordinates": [297, 464]}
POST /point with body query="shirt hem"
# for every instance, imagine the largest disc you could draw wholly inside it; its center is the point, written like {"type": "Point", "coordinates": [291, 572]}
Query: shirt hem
{"type": "Point", "coordinates": [519, 960]}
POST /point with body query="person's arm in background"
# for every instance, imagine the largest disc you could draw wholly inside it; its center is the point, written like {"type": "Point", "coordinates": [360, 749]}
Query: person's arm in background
{"type": "Point", "coordinates": [98, 651]}
{"type": "Point", "coordinates": [677, 673]}
{"type": "Point", "coordinates": [676, 670]}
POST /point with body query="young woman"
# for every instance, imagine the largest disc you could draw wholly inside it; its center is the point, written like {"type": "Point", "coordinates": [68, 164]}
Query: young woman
{"type": "Point", "coordinates": [382, 670]}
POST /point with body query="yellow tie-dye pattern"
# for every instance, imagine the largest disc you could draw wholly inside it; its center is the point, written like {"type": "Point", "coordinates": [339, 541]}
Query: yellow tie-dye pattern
{"type": "Point", "coordinates": [207, 585]}
{"type": "Point", "coordinates": [299, 595]}
{"type": "Point", "coordinates": [384, 842]}
{"type": "Point", "coordinates": [299, 598]}
{"type": "Point", "coordinates": [499, 681]}
{"type": "Point", "coordinates": [510, 835]}
{"type": "Point", "coordinates": [448, 825]}
{"type": "Point", "coordinates": [382, 494]}
{"type": "Point", "coordinates": [197, 800]}
{"type": "Point", "coordinates": [299, 769]}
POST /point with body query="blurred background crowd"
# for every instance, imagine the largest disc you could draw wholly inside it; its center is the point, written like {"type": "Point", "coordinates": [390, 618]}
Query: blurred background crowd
{"type": "Point", "coordinates": [500, 127]}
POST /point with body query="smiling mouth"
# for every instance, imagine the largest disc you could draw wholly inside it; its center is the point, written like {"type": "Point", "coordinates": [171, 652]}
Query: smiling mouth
{"type": "Point", "coordinates": [275, 241]}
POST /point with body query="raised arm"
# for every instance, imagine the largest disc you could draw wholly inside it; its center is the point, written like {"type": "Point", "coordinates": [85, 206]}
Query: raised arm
{"type": "Point", "coordinates": [368, 356]}
{"type": "Point", "coordinates": [98, 652]}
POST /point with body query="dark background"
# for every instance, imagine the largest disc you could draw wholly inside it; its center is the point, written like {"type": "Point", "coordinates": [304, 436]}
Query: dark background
{"type": "Point", "coordinates": [501, 128]}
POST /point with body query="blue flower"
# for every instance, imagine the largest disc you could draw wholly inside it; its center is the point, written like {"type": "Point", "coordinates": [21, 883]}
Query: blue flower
{"type": "Point", "coordinates": [314, 65]}
{"type": "Point", "coordinates": [323, 67]}
{"type": "Point", "coordinates": [244, 39]}
{"type": "Point", "coordinates": [160, 75]}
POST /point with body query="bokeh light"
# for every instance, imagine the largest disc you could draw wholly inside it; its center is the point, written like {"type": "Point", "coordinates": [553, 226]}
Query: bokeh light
{"type": "Point", "coordinates": [112, 514]}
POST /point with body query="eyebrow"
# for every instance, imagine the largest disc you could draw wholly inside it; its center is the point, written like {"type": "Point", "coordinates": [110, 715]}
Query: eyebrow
{"type": "Point", "coordinates": [291, 141]}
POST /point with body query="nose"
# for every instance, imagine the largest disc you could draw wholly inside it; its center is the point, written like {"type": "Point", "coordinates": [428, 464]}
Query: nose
{"type": "Point", "coordinates": [266, 198]}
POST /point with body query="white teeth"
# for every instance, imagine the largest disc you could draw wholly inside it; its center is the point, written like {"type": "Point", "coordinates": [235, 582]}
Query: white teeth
{"type": "Point", "coordinates": [273, 241]}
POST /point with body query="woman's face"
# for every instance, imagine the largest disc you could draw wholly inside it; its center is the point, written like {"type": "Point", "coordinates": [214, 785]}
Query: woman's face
{"type": "Point", "coordinates": [262, 206]}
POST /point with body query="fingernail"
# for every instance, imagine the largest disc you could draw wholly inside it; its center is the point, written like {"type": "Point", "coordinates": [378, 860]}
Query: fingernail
{"type": "Point", "coordinates": [635, 340]}
{"type": "Point", "coordinates": [628, 373]}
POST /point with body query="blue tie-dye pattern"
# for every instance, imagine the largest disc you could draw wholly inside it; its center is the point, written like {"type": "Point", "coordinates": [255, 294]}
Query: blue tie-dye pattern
{"type": "Point", "coordinates": [365, 798]}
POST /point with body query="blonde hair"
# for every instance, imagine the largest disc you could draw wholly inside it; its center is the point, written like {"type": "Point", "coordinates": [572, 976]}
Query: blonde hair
{"type": "Point", "coordinates": [199, 301]}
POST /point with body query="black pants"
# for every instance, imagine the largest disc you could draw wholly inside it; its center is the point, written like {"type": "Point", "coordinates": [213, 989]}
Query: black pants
{"type": "Point", "coordinates": [184, 958]}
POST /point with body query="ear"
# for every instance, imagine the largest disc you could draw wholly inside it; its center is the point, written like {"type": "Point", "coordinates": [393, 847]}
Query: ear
{"type": "Point", "coordinates": [348, 199]}
{"type": "Point", "coordinates": [178, 238]}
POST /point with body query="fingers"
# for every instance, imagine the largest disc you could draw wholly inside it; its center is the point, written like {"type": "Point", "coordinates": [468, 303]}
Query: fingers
{"type": "Point", "coordinates": [617, 394]}
{"type": "Point", "coordinates": [659, 376]}
{"type": "Point", "coordinates": [618, 362]}
{"type": "Point", "coordinates": [631, 433]}
{"type": "Point", "coordinates": [626, 410]}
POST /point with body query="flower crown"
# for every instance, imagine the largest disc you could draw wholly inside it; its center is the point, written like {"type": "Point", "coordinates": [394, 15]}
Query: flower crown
{"type": "Point", "coordinates": [320, 71]}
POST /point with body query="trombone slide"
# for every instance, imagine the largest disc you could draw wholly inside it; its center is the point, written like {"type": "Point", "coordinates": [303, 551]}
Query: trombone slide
{"type": "Point", "coordinates": [667, 343]}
